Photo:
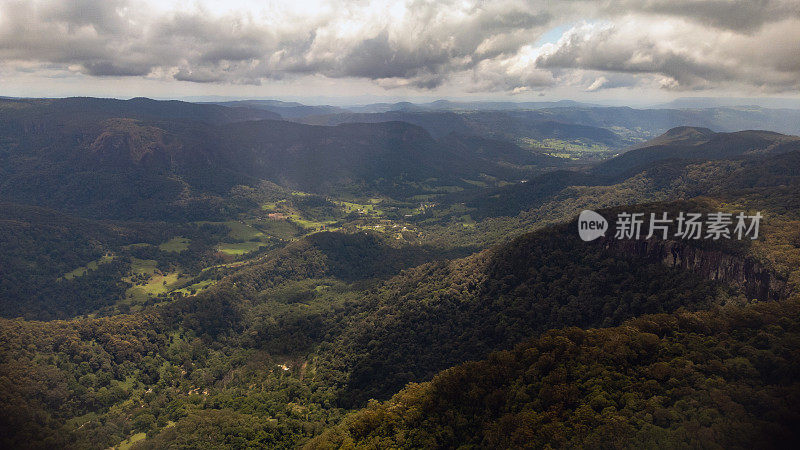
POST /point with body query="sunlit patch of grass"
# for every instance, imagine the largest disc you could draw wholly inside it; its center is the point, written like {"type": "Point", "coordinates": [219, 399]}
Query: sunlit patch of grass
{"type": "Point", "coordinates": [361, 208]}
{"type": "Point", "coordinates": [157, 282]}
{"type": "Point", "coordinates": [92, 265]}
{"type": "Point", "coordinates": [271, 206]}
{"type": "Point", "coordinates": [240, 248]}
{"type": "Point", "coordinates": [477, 183]}
{"type": "Point", "coordinates": [566, 149]}
{"type": "Point", "coordinates": [175, 245]}
{"type": "Point", "coordinates": [281, 229]}
{"type": "Point", "coordinates": [196, 287]}
{"type": "Point", "coordinates": [143, 265]}
{"type": "Point", "coordinates": [310, 225]}
{"type": "Point", "coordinates": [242, 230]}
{"type": "Point", "coordinates": [128, 443]}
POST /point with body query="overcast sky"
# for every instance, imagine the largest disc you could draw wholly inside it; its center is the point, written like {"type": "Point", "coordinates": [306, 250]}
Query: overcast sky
{"type": "Point", "coordinates": [507, 50]}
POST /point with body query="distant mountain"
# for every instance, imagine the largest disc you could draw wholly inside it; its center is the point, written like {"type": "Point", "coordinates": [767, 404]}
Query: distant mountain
{"type": "Point", "coordinates": [612, 127]}
{"type": "Point", "coordinates": [671, 165]}
{"type": "Point", "coordinates": [680, 135]}
{"type": "Point", "coordinates": [498, 150]}
{"type": "Point", "coordinates": [88, 108]}
{"type": "Point", "coordinates": [318, 158]}
{"type": "Point", "coordinates": [438, 124]}
{"type": "Point", "coordinates": [512, 126]}
{"type": "Point", "coordinates": [174, 160]}
{"type": "Point", "coordinates": [649, 123]}
{"type": "Point", "coordinates": [447, 105]}
{"type": "Point", "coordinates": [698, 144]}
{"type": "Point", "coordinates": [717, 102]}
{"type": "Point", "coordinates": [288, 110]}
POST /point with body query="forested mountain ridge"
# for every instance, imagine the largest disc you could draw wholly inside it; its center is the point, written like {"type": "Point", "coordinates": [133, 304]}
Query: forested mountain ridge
{"type": "Point", "coordinates": [682, 163]}
{"type": "Point", "coordinates": [489, 124]}
{"type": "Point", "coordinates": [40, 250]}
{"type": "Point", "coordinates": [725, 377]}
{"type": "Point", "coordinates": [286, 110]}
{"type": "Point", "coordinates": [163, 161]}
{"type": "Point", "coordinates": [38, 112]}
{"type": "Point", "coordinates": [699, 144]}
{"type": "Point", "coordinates": [455, 311]}
{"type": "Point", "coordinates": [612, 126]}
{"type": "Point", "coordinates": [194, 276]}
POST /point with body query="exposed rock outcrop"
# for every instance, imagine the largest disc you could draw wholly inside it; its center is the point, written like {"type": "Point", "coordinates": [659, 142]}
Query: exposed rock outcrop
{"type": "Point", "coordinates": [756, 281]}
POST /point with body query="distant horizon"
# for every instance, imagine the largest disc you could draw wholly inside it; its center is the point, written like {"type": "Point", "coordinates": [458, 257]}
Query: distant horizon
{"type": "Point", "coordinates": [617, 52]}
{"type": "Point", "coordinates": [687, 102]}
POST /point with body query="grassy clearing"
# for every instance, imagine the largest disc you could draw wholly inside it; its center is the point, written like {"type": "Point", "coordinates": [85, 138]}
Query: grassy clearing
{"type": "Point", "coordinates": [571, 149]}
{"type": "Point", "coordinates": [271, 206]}
{"type": "Point", "coordinates": [143, 265]}
{"type": "Point", "coordinates": [477, 183]}
{"type": "Point", "coordinates": [281, 229]}
{"type": "Point", "coordinates": [128, 443]}
{"type": "Point", "coordinates": [81, 271]}
{"type": "Point", "coordinates": [250, 237]}
{"type": "Point", "coordinates": [467, 221]}
{"type": "Point", "coordinates": [156, 282]}
{"type": "Point", "coordinates": [361, 208]}
{"type": "Point", "coordinates": [237, 229]}
{"type": "Point", "coordinates": [242, 230]}
{"type": "Point", "coordinates": [175, 245]}
{"type": "Point", "coordinates": [309, 225]}
{"type": "Point", "coordinates": [240, 248]}
{"type": "Point", "coordinates": [196, 287]}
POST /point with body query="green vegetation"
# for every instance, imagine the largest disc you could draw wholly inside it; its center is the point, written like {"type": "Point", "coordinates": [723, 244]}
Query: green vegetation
{"type": "Point", "coordinates": [724, 377]}
{"type": "Point", "coordinates": [240, 248]}
{"type": "Point", "coordinates": [369, 208]}
{"type": "Point", "coordinates": [147, 281]}
{"type": "Point", "coordinates": [375, 285]}
{"type": "Point", "coordinates": [92, 265]}
{"type": "Point", "coordinates": [176, 244]}
{"type": "Point", "coordinates": [128, 443]}
{"type": "Point", "coordinates": [576, 149]}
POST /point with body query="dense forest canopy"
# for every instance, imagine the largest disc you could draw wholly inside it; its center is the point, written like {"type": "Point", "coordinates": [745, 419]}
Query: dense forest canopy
{"type": "Point", "coordinates": [274, 275]}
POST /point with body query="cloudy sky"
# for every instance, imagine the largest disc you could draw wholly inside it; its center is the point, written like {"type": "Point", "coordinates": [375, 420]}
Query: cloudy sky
{"type": "Point", "coordinates": [510, 50]}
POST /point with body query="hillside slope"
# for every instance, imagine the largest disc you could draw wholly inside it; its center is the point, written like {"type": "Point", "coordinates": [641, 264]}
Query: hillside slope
{"type": "Point", "coordinates": [726, 377]}
{"type": "Point", "coordinates": [698, 144]}
{"type": "Point", "coordinates": [141, 159]}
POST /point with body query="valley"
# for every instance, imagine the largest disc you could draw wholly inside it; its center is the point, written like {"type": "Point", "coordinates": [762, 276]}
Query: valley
{"type": "Point", "coordinates": [272, 275]}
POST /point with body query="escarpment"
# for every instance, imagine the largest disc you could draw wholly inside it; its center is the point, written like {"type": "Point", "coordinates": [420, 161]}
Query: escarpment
{"type": "Point", "coordinates": [755, 280]}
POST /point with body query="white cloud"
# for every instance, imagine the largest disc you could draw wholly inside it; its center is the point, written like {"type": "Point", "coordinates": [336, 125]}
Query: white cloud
{"type": "Point", "coordinates": [597, 84]}
{"type": "Point", "coordinates": [679, 54]}
{"type": "Point", "coordinates": [414, 44]}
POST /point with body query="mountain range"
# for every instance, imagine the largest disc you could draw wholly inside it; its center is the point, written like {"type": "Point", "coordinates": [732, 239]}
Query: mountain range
{"type": "Point", "coordinates": [273, 275]}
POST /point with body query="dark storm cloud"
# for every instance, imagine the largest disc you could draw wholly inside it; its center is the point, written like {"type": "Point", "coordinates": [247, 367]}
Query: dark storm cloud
{"type": "Point", "coordinates": [108, 68]}
{"type": "Point", "coordinates": [681, 44]}
{"type": "Point", "coordinates": [737, 15]}
{"type": "Point", "coordinates": [102, 15]}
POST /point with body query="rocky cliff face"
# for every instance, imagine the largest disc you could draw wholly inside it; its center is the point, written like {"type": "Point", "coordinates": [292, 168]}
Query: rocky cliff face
{"type": "Point", "coordinates": [754, 279]}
